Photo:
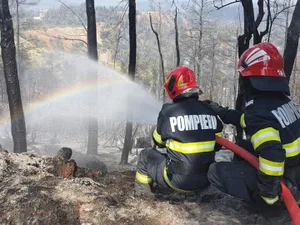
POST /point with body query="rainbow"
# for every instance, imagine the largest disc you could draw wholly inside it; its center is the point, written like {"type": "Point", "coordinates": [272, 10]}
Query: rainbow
{"type": "Point", "coordinates": [62, 94]}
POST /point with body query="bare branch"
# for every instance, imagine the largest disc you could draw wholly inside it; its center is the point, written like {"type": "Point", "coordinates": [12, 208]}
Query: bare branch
{"type": "Point", "coordinates": [283, 9]}
{"type": "Point", "coordinates": [75, 14]}
{"type": "Point", "coordinates": [113, 146]}
{"type": "Point", "coordinates": [135, 131]}
{"type": "Point", "coordinates": [173, 3]}
{"type": "Point", "coordinates": [222, 6]}
{"type": "Point", "coordinates": [121, 20]}
{"type": "Point", "coordinates": [257, 38]}
{"type": "Point", "coordinates": [276, 14]}
{"type": "Point", "coordinates": [117, 46]}
{"type": "Point", "coordinates": [261, 13]}
{"type": "Point", "coordinates": [292, 42]}
{"type": "Point", "coordinates": [63, 38]}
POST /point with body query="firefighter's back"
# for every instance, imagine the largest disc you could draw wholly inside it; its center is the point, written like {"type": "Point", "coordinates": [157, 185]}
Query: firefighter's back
{"type": "Point", "coordinates": [189, 129]}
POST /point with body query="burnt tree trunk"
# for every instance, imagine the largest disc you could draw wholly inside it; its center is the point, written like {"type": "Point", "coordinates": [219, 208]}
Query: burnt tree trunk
{"type": "Point", "coordinates": [177, 37]}
{"type": "Point", "coordinates": [18, 34]}
{"type": "Point", "coordinates": [131, 72]}
{"type": "Point", "coordinates": [213, 65]}
{"type": "Point", "coordinates": [250, 30]}
{"type": "Point", "coordinates": [244, 40]}
{"type": "Point", "coordinates": [243, 45]}
{"type": "Point", "coordinates": [292, 42]}
{"type": "Point", "coordinates": [93, 54]}
{"type": "Point", "coordinates": [162, 67]}
{"type": "Point", "coordinates": [8, 51]}
{"type": "Point", "coordinates": [200, 50]}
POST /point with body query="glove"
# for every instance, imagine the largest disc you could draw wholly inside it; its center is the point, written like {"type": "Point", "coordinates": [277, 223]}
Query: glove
{"type": "Point", "coordinates": [271, 192]}
{"type": "Point", "coordinates": [221, 111]}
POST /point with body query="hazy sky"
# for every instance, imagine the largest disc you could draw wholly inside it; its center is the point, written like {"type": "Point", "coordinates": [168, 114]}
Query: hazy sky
{"type": "Point", "coordinates": [49, 3]}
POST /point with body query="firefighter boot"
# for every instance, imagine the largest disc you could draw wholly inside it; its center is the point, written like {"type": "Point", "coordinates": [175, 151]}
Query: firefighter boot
{"type": "Point", "coordinates": [279, 218]}
{"type": "Point", "coordinates": [143, 182]}
{"type": "Point", "coordinates": [277, 215]}
{"type": "Point", "coordinates": [142, 189]}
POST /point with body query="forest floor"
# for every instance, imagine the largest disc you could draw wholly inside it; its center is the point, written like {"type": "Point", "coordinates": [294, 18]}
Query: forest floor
{"type": "Point", "coordinates": [30, 194]}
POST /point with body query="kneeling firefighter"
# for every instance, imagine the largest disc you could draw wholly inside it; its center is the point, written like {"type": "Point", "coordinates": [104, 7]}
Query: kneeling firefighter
{"type": "Point", "coordinates": [187, 129]}
{"type": "Point", "coordinates": [272, 125]}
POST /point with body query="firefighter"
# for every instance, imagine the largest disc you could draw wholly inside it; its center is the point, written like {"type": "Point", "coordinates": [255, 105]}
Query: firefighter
{"type": "Point", "coordinates": [186, 128]}
{"type": "Point", "coordinates": [272, 126]}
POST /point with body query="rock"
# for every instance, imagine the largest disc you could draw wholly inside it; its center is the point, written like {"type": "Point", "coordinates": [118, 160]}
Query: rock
{"type": "Point", "coordinates": [64, 153]}
{"type": "Point", "coordinates": [3, 150]}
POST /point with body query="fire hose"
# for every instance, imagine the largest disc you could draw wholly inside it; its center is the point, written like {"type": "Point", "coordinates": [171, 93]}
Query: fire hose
{"type": "Point", "coordinates": [286, 195]}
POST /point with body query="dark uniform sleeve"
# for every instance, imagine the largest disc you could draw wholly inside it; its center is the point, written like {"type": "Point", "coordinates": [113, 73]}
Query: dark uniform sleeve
{"type": "Point", "coordinates": [265, 138]}
{"type": "Point", "coordinates": [228, 116]}
{"type": "Point", "coordinates": [219, 133]}
{"type": "Point", "coordinates": [234, 117]}
{"type": "Point", "coordinates": [157, 132]}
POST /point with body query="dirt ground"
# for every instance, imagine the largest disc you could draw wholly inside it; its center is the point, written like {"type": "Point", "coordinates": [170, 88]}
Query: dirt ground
{"type": "Point", "coordinates": [29, 194]}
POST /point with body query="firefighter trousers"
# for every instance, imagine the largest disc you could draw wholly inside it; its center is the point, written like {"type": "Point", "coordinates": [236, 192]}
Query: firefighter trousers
{"type": "Point", "coordinates": [239, 179]}
{"type": "Point", "coordinates": [151, 169]}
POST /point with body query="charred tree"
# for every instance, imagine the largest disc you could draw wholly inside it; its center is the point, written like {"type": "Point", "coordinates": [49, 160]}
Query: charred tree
{"type": "Point", "coordinates": [18, 34]}
{"type": "Point", "coordinates": [19, 3]}
{"type": "Point", "coordinates": [131, 72]}
{"type": "Point", "coordinates": [177, 37]}
{"type": "Point", "coordinates": [8, 51]}
{"type": "Point", "coordinates": [162, 67]}
{"type": "Point", "coordinates": [213, 67]}
{"type": "Point", "coordinates": [250, 32]}
{"type": "Point", "coordinates": [243, 45]}
{"type": "Point", "coordinates": [93, 54]}
{"type": "Point", "coordinates": [292, 41]}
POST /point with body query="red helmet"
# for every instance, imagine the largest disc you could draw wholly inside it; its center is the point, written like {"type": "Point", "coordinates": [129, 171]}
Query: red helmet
{"type": "Point", "coordinates": [181, 80]}
{"type": "Point", "coordinates": [263, 64]}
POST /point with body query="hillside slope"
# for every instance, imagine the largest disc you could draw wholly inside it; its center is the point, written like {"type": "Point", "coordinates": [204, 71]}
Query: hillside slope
{"type": "Point", "coordinates": [30, 194]}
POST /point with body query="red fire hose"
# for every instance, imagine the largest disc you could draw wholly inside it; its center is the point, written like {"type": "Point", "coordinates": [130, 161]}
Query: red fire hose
{"type": "Point", "coordinates": [286, 195]}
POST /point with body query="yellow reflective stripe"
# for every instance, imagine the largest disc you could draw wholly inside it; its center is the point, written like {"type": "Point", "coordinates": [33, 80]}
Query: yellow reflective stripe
{"type": "Point", "coordinates": [170, 184]}
{"type": "Point", "coordinates": [242, 121]}
{"type": "Point", "coordinates": [271, 168]}
{"type": "Point", "coordinates": [192, 147]}
{"type": "Point", "coordinates": [264, 135]}
{"type": "Point", "coordinates": [270, 201]}
{"type": "Point", "coordinates": [292, 149]}
{"type": "Point", "coordinates": [157, 137]}
{"type": "Point", "coordinates": [142, 178]}
{"type": "Point", "coordinates": [219, 134]}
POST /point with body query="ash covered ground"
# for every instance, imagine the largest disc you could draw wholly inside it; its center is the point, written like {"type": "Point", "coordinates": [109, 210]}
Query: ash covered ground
{"type": "Point", "coordinates": [30, 194]}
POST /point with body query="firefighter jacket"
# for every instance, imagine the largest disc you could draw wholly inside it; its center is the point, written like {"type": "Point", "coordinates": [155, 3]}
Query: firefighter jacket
{"type": "Point", "coordinates": [187, 129]}
{"type": "Point", "coordinates": [272, 123]}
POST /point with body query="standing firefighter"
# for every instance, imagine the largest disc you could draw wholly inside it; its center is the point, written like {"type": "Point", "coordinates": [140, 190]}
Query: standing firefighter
{"type": "Point", "coordinates": [187, 129]}
{"type": "Point", "coordinates": [272, 126]}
